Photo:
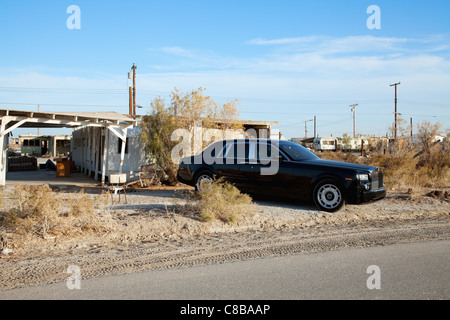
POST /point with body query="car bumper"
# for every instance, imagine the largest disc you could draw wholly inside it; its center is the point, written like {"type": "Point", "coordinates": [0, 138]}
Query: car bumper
{"type": "Point", "coordinates": [373, 195]}
{"type": "Point", "coordinates": [360, 195]}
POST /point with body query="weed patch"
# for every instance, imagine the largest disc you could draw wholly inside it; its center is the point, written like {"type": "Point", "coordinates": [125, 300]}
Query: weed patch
{"type": "Point", "coordinates": [223, 202]}
{"type": "Point", "coordinates": [37, 211]}
{"type": "Point", "coordinates": [403, 169]}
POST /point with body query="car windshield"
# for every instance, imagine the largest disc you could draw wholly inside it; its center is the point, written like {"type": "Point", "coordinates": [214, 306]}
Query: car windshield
{"type": "Point", "coordinates": [297, 152]}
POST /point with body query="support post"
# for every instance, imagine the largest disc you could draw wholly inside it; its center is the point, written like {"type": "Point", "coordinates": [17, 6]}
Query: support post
{"type": "Point", "coordinates": [89, 136]}
{"type": "Point", "coordinates": [2, 159]}
{"type": "Point", "coordinates": [83, 148]}
{"type": "Point", "coordinates": [105, 154]}
{"type": "Point", "coordinates": [95, 153]}
{"type": "Point", "coordinates": [122, 153]}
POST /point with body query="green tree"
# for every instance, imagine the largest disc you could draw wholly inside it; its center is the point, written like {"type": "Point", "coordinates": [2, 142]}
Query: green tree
{"type": "Point", "coordinates": [156, 130]}
{"type": "Point", "coordinates": [185, 110]}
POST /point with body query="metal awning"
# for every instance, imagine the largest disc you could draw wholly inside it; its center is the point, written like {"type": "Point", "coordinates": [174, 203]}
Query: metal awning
{"type": "Point", "coordinates": [32, 119]}
{"type": "Point", "coordinates": [12, 119]}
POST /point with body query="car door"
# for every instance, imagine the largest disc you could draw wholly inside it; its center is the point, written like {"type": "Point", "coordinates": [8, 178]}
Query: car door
{"type": "Point", "coordinates": [227, 163]}
{"type": "Point", "coordinates": [267, 170]}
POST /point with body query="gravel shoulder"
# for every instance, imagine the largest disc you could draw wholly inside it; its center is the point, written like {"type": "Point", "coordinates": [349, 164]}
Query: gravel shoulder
{"type": "Point", "coordinates": [149, 235]}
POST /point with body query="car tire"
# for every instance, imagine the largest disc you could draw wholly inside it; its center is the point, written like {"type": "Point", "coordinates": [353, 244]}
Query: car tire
{"type": "Point", "coordinates": [329, 196]}
{"type": "Point", "coordinates": [202, 181]}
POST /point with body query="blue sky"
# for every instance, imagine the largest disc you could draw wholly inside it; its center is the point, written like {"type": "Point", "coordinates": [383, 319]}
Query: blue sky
{"type": "Point", "coordinates": [285, 61]}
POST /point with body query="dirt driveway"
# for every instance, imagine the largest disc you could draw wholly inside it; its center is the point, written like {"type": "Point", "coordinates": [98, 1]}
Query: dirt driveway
{"type": "Point", "coordinates": [148, 234]}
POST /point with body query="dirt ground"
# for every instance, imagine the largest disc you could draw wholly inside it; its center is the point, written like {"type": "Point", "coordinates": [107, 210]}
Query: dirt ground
{"type": "Point", "coordinates": [147, 234]}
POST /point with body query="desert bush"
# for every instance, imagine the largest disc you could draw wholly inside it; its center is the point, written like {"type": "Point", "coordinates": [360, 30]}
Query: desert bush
{"type": "Point", "coordinates": [222, 201]}
{"type": "Point", "coordinates": [399, 171]}
{"type": "Point", "coordinates": [35, 209]}
{"type": "Point", "coordinates": [38, 211]}
{"type": "Point", "coordinates": [435, 165]}
{"type": "Point", "coordinates": [403, 168]}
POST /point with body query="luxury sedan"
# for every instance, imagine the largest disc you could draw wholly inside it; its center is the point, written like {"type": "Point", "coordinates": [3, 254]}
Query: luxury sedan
{"type": "Point", "coordinates": [283, 169]}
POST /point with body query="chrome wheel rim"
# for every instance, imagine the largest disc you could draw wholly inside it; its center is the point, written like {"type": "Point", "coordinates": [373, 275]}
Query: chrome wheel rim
{"type": "Point", "coordinates": [204, 183]}
{"type": "Point", "coordinates": [329, 196]}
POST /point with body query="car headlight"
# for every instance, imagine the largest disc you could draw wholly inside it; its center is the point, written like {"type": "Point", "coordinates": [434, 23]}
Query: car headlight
{"type": "Point", "coordinates": [362, 177]}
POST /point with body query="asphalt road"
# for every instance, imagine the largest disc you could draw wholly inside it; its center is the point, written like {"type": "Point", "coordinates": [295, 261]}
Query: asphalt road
{"type": "Point", "coordinates": [400, 271]}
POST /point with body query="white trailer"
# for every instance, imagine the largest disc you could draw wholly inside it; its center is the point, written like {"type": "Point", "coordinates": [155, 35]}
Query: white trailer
{"type": "Point", "coordinates": [324, 143]}
{"type": "Point", "coordinates": [330, 143]}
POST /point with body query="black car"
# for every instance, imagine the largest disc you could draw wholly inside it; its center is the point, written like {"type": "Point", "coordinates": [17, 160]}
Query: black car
{"type": "Point", "coordinates": [283, 169]}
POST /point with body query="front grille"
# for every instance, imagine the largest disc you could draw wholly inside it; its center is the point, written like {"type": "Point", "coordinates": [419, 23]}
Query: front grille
{"type": "Point", "coordinates": [376, 179]}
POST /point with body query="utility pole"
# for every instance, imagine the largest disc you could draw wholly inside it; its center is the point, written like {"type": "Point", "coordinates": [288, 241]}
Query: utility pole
{"type": "Point", "coordinates": [395, 112]}
{"type": "Point", "coordinates": [132, 92]}
{"type": "Point", "coordinates": [134, 89]}
{"type": "Point", "coordinates": [353, 106]}
{"type": "Point", "coordinates": [306, 130]}
{"type": "Point", "coordinates": [130, 102]}
{"type": "Point", "coordinates": [315, 126]}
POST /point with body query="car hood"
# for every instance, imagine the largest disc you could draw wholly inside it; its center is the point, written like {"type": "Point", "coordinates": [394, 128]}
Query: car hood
{"type": "Point", "coordinates": [337, 164]}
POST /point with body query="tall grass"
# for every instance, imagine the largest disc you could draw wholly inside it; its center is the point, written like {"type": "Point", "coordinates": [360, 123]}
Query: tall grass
{"type": "Point", "coordinates": [38, 211]}
{"type": "Point", "coordinates": [403, 168]}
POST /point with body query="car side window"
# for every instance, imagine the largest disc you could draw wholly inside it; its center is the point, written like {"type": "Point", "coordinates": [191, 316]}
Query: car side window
{"type": "Point", "coordinates": [267, 153]}
{"type": "Point", "coordinates": [230, 152]}
{"type": "Point", "coordinates": [251, 155]}
{"type": "Point", "coordinates": [240, 152]}
{"type": "Point", "coordinates": [250, 152]}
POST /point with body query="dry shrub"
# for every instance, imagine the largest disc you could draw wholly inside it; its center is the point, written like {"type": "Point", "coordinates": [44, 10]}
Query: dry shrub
{"type": "Point", "coordinates": [222, 201]}
{"type": "Point", "coordinates": [38, 211]}
{"type": "Point", "coordinates": [436, 165]}
{"type": "Point", "coordinates": [403, 168]}
{"type": "Point", "coordinates": [81, 215]}
{"type": "Point", "coordinates": [399, 171]}
{"type": "Point", "coordinates": [35, 210]}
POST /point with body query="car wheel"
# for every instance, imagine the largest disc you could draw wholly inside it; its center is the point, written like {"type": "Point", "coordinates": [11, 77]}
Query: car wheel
{"type": "Point", "coordinates": [329, 196]}
{"type": "Point", "coordinates": [203, 181]}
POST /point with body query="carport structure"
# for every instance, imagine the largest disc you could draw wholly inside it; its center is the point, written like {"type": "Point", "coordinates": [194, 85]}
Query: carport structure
{"type": "Point", "coordinates": [95, 127]}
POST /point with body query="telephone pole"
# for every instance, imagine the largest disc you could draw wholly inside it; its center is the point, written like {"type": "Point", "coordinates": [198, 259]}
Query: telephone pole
{"type": "Point", "coordinates": [130, 102]}
{"type": "Point", "coordinates": [395, 112]}
{"type": "Point", "coordinates": [315, 126]}
{"type": "Point", "coordinates": [132, 92]}
{"type": "Point", "coordinates": [134, 89]}
{"type": "Point", "coordinates": [306, 129]}
{"type": "Point", "coordinates": [353, 106]}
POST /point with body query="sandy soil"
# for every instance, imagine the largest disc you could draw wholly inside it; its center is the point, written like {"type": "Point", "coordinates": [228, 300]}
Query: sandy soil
{"type": "Point", "coordinates": [147, 233]}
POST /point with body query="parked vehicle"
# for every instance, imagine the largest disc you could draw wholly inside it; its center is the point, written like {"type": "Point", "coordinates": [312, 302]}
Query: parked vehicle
{"type": "Point", "coordinates": [325, 143]}
{"type": "Point", "coordinates": [344, 144]}
{"type": "Point", "coordinates": [284, 169]}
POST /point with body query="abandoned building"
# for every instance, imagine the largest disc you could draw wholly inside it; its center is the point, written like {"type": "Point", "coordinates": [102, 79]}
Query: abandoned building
{"type": "Point", "coordinates": [91, 160]}
{"type": "Point", "coordinates": [102, 144]}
